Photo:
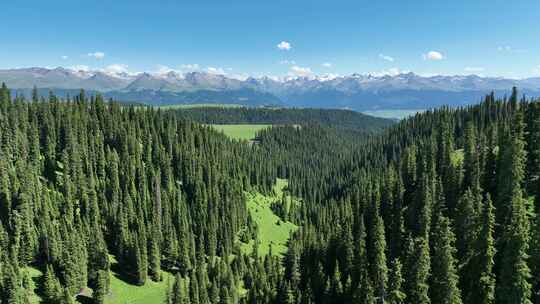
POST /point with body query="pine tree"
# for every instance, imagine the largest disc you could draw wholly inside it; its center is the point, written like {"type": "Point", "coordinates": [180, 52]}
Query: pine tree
{"type": "Point", "coordinates": [363, 293]}
{"type": "Point", "coordinates": [286, 295]}
{"type": "Point", "coordinates": [194, 288]}
{"type": "Point", "coordinates": [100, 289]}
{"type": "Point", "coordinates": [178, 290]}
{"type": "Point", "coordinates": [291, 262]}
{"type": "Point", "coordinates": [52, 291]}
{"type": "Point", "coordinates": [471, 158]}
{"type": "Point", "coordinates": [444, 279]}
{"type": "Point", "coordinates": [419, 271]}
{"type": "Point", "coordinates": [168, 292]}
{"type": "Point", "coordinates": [378, 265]}
{"type": "Point", "coordinates": [155, 261]}
{"type": "Point", "coordinates": [10, 291]}
{"type": "Point", "coordinates": [396, 294]}
{"type": "Point", "coordinates": [336, 287]}
{"type": "Point", "coordinates": [467, 228]}
{"type": "Point", "coordinates": [67, 298]}
{"type": "Point", "coordinates": [514, 284]}
{"type": "Point", "coordinates": [361, 262]}
{"type": "Point", "coordinates": [483, 284]}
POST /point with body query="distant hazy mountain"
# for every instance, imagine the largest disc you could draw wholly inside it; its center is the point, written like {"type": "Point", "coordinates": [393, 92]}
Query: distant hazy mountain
{"type": "Point", "coordinates": [358, 92]}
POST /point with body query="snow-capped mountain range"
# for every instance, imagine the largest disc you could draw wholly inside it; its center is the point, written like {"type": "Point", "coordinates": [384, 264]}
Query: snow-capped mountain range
{"type": "Point", "coordinates": [356, 91]}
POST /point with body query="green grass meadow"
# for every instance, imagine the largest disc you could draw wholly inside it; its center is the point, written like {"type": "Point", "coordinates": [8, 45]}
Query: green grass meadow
{"type": "Point", "coordinates": [272, 230]}
{"type": "Point", "coordinates": [121, 292]}
{"type": "Point", "coordinates": [241, 131]}
{"type": "Point", "coordinates": [124, 293]}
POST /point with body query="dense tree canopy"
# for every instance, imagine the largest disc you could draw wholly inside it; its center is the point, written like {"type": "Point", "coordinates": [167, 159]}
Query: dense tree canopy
{"type": "Point", "coordinates": [438, 208]}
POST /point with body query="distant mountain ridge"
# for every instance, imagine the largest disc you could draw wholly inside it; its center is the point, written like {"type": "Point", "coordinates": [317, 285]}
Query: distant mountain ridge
{"type": "Point", "coordinates": [356, 91]}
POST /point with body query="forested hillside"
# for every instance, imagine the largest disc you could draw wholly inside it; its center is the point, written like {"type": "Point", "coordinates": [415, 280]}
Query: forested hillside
{"type": "Point", "coordinates": [439, 208]}
{"type": "Point", "coordinates": [284, 116]}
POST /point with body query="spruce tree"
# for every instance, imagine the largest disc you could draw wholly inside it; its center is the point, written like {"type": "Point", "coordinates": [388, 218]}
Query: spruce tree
{"type": "Point", "coordinates": [444, 280]}
{"type": "Point", "coordinates": [52, 291]}
{"type": "Point", "coordinates": [67, 298]}
{"type": "Point", "coordinates": [483, 277]}
{"type": "Point", "coordinates": [514, 284]}
{"type": "Point", "coordinates": [419, 272]}
{"type": "Point", "coordinates": [378, 265]}
{"type": "Point", "coordinates": [178, 292]}
{"type": "Point", "coordinates": [100, 289]}
{"type": "Point", "coordinates": [396, 295]}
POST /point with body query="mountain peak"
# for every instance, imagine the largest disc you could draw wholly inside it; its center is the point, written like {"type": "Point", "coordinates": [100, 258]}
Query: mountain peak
{"type": "Point", "coordinates": [330, 87]}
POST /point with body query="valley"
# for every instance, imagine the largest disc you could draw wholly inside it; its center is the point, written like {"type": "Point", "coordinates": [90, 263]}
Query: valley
{"type": "Point", "coordinates": [270, 152]}
{"type": "Point", "coordinates": [109, 203]}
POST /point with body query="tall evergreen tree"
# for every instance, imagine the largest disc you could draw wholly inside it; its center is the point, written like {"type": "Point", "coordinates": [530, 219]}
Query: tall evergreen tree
{"type": "Point", "coordinates": [444, 279]}
{"type": "Point", "coordinates": [396, 295]}
{"type": "Point", "coordinates": [515, 275]}
{"type": "Point", "coordinates": [483, 284]}
{"type": "Point", "coordinates": [419, 272]}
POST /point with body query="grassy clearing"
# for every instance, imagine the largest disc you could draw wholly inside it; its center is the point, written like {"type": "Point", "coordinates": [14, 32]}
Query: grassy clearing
{"type": "Point", "coordinates": [240, 131]}
{"type": "Point", "coordinates": [123, 292]}
{"type": "Point", "coordinates": [272, 230]}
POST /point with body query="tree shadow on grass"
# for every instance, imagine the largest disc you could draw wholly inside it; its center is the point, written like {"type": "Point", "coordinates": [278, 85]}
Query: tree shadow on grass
{"type": "Point", "coordinates": [84, 299]}
{"type": "Point", "coordinates": [123, 275]}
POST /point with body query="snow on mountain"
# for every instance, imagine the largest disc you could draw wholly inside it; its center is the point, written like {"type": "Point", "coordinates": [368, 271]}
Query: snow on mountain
{"type": "Point", "coordinates": [357, 91]}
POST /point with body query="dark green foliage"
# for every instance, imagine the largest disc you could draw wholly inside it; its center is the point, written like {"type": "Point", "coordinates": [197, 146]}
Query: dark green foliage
{"type": "Point", "coordinates": [515, 275]}
{"type": "Point", "coordinates": [52, 291]}
{"type": "Point", "coordinates": [82, 180]}
{"type": "Point", "coordinates": [483, 276]}
{"type": "Point", "coordinates": [419, 272]}
{"type": "Point", "coordinates": [396, 295]}
{"type": "Point", "coordinates": [444, 280]}
{"type": "Point", "coordinates": [343, 119]}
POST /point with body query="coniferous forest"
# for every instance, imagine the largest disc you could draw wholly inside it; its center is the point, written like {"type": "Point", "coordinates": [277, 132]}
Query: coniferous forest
{"type": "Point", "coordinates": [438, 208]}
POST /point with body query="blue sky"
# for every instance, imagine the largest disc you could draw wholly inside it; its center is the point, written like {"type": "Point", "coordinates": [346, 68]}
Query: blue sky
{"type": "Point", "coordinates": [493, 38]}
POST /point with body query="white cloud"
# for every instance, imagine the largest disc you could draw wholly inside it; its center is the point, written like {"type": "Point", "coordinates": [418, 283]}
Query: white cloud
{"type": "Point", "coordinates": [327, 65]}
{"type": "Point", "coordinates": [433, 55]}
{"type": "Point", "coordinates": [215, 71]}
{"type": "Point", "coordinates": [300, 71]}
{"type": "Point", "coordinates": [284, 45]}
{"type": "Point", "coordinates": [287, 62]}
{"type": "Point", "coordinates": [386, 57]}
{"type": "Point", "coordinates": [64, 57]}
{"type": "Point", "coordinates": [80, 67]}
{"type": "Point", "coordinates": [509, 49]}
{"type": "Point", "coordinates": [190, 66]}
{"type": "Point", "coordinates": [474, 69]}
{"type": "Point", "coordinates": [536, 70]}
{"type": "Point", "coordinates": [116, 68]}
{"type": "Point", "coordinates": [96, 55]}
